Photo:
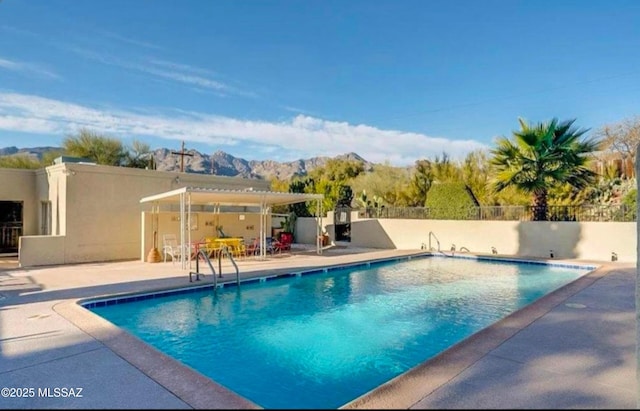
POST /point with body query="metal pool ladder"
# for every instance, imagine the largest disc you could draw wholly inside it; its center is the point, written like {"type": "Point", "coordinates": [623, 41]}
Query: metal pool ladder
{"type": "Point", "coordinates": [432, 234]}
{"type": "Point", "coordinates": [225, 250]}
{"type": "Point", "coordinates": [204, 255]}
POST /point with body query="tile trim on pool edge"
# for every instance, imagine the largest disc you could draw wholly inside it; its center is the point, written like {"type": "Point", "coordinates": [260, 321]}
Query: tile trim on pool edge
{"type": "Point", "coordinates": [187, 384]}
{"type": "Point", "coordinates": [199, 391]}
{"type": "Point", "coordinates": [103, 301]}
{"type": "Point", "coordinates": [408, 388]}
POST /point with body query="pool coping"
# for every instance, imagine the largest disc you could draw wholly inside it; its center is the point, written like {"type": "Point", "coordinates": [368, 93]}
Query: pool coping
{"type": "Point", "coordinates": [409, 388]}
{"type": "Point", "coordinates": [403, 391]}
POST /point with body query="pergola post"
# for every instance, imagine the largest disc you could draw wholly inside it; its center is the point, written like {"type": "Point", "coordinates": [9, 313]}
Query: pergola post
{"type": "Point", "coordinates": [188, 228]}
{"type": "Point", "coordinates": [262, 239]}
{"type": "Point", "coordinates": [637, 299]}
{"type": "Point", "coordinates": [182, 233]}
{"type": "Point", "coordinates": [318, 226]}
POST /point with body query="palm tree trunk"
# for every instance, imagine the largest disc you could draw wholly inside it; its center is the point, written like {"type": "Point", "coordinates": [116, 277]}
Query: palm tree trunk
{"type": "Point", "coordinates": [540, 205]}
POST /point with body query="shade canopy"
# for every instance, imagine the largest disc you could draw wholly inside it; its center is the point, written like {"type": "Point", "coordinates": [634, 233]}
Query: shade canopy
{"type": "Point", "coordinates": [187, 197]}
{"type": "Point", "coordinates": [203, 196]}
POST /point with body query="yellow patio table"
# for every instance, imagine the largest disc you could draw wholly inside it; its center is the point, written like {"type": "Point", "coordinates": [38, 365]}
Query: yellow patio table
{"type": "Point", "coordinates": [233, 243]}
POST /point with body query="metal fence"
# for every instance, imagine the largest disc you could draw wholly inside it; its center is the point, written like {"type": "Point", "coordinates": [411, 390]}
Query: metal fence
{"type": "Point", "coordinates": [618, 213]}
{"type": "Point", "coordinates": [9, 235]}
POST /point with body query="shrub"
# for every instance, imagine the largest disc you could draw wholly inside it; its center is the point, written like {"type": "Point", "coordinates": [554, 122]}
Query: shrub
{"type": "Point", "coordinates": [451, 201]}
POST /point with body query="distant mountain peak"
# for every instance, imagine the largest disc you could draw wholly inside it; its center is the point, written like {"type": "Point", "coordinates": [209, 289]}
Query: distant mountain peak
{"type": "Point", "coordinates": [219, 163]}
{"type": "Point", "coordinates": [352, 156]}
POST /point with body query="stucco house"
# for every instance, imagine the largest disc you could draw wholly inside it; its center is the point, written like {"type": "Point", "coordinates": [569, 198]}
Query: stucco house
{"type": "Point", "coordinates": [73, 212]}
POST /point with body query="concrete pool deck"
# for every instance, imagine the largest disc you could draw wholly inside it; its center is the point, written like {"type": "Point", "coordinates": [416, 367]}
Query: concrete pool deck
{"type": "Point", "coordinates": [574, 348]}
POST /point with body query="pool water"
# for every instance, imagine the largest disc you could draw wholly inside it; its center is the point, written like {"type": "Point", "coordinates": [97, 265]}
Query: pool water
{"type": "Point", "coordinates": [322, 340]}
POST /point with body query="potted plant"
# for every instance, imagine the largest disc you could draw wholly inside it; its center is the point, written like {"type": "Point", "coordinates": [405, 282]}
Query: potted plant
{"type": "Point", "coordinates": [324, 239]}
{"type": "Point", "coordinates": [288, 226]}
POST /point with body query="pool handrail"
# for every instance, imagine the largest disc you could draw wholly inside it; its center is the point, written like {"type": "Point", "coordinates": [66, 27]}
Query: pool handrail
{"type": "Point", "coordinates": [204, 255]}
{"type": "Point", "coordinates": [225, 249]}
{"type": "Point", "coordinates": [432, 234]}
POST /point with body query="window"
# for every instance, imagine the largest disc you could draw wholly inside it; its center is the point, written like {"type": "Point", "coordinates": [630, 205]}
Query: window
{"type": "Point", "coordinates": [45, 218]}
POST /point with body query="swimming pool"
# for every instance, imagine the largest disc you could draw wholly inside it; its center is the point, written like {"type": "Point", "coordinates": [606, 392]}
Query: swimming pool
{"type": "Point", "coordinates": [320, 341]}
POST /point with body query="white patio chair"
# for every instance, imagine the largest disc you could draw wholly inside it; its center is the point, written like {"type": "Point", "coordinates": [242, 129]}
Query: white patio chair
{"type": "Point", "coordinates": [170, 247]}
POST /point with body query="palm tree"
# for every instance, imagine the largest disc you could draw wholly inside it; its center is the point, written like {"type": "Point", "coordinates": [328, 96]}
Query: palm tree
{"type": "Point", "coordinates": [542, 156]}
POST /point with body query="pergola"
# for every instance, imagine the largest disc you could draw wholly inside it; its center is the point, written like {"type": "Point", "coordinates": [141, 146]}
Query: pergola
{"type": "Point", "coordinates": [187, 197]}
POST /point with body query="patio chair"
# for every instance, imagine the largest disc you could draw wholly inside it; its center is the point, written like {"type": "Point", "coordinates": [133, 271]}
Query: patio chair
{"type": "Point", "coordinates": [284, 244]}
{"type": "Point", "coordinates": [170, 247]}
{"type": "Point", "coordinates": [211, 247]}
{"type": "Point", "coordinates": [252, 247]}
{"type": "Point", "coordinates": [270, 245]}
{"type": "Point", "coordinates": [237, 248]}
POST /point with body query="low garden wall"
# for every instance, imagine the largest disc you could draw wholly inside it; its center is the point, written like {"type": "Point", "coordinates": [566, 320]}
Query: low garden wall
{"type": "Point", "coordinates": [598, 241]}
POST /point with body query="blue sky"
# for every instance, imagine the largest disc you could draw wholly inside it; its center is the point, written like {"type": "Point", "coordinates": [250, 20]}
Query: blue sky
{"type": "Point", "coordinates": [395, 80]}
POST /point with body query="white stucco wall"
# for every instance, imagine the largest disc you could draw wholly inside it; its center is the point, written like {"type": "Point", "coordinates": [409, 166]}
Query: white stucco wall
{"type": "Point", "coordinates": [306, 228]}
{"type": "Point", "coordinates": [97, 209]}
{"type": "Point", "coordinates": [582, 240]}
{"type": "Point", "coordinates": [42, 250]}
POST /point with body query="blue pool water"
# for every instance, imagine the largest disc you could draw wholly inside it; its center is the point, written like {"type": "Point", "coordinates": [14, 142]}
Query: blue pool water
{"type": "Point", "coordinates": [322, 340]}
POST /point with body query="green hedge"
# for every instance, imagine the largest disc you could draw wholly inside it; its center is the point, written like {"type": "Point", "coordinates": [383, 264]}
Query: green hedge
{"type": "Point", "coordinates": [451, 201]}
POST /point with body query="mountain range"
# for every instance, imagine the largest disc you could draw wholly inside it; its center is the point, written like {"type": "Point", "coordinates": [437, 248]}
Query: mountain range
{"type": "Point", "coordinates": [219, 163]}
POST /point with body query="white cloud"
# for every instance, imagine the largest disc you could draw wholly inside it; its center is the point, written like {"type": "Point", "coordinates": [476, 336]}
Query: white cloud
{"type": "Point", "coordinates": [186, 78]}
{"type": "Point", "coordinates": [27, 69]}
{"type": "Point", "coordinates": [301, 136]}
{"type": "Point", "coordinates": [184, 67]}
{"type": "Point", "coordinates": [9, 65]}
{"type": "Point", "coordinates": [31, 125]}
{"type": "Point", "coordinates": [181, 73]}
{"type": "Point", "coordinates": [15, 30]}
{"type": "Point", "coordinates": [130, 40]}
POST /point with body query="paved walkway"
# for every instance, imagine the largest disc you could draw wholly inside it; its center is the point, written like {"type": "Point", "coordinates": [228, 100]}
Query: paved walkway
{"type": "Point", "coordinates": [573, 349]}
